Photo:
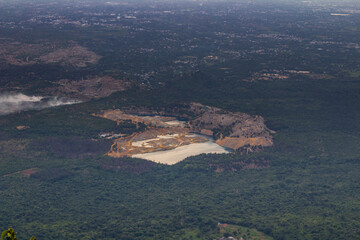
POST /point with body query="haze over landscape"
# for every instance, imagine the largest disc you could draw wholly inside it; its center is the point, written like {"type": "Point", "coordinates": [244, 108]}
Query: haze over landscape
{"type": "Point", "coordinates": [180, 119]}
{"type": "Point", "coordinates": [17, 102]}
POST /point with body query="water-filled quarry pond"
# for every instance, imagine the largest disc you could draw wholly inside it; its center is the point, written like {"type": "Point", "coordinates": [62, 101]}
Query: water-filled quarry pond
{"type": "Point", "coordinates": [178, 154]}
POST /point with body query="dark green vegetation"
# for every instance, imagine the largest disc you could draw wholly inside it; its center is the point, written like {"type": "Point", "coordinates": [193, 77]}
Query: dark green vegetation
{"type": "Point", "coordinates": [238, 232]}
{"type": "Point", "coordinates": [310, 190]}
{"type": "Point", "coordinates": [10, 234]}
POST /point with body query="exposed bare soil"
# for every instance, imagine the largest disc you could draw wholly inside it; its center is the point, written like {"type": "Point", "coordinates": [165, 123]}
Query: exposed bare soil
{"type": "Point", "coordinates": [29, 172]}
{"type": "Point", "coordinates": [238, 131]}
{"type": "Point", "coordinates": [70, 54]}
{"type": "Point", "coordinates": [26, 172]}
{"type": "Point", "coordinates": [158, 136]}
{"type": "Point", "coordinates": [75, 56]}
{"type": "Point", "coordinates": [21, 127]}
{"type": "Point", "coordinates": [230, 129]}
{"type": "Point", "coordinates": [88, 88]}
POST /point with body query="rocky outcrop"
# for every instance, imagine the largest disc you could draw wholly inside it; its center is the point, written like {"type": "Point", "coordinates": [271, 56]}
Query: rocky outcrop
{"type": "Point", "coordinates": [237, 143]}
{"type": "Point", "coordinates": [231, 130]}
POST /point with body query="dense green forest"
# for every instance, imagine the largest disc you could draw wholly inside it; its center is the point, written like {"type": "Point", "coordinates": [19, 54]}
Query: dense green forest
{"type": "Point", "coordinates": [57, 182]}
{"type": "Point", "coordinates": [309, 191]}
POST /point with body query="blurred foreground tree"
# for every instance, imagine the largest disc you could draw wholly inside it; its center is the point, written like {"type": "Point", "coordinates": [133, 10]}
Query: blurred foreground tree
{"type": "Point", "coordinates": [10, 235]}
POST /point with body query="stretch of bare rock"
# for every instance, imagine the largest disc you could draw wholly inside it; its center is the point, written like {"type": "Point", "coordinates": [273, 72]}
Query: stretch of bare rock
{"type": "Point", "coordinates": [233, 130]}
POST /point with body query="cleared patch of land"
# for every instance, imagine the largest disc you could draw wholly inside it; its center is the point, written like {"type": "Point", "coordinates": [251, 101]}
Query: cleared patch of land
{"type": "Point", "coordinates": [22, 54]}
{"type": "Point", "coordinates": [26, 172]}
{"type": "Point", "coordinates": [178, 154]}
{"type": "Point", "coordinates": [161, 131]}
{"type": "Point", "coordinates": [88, 88]}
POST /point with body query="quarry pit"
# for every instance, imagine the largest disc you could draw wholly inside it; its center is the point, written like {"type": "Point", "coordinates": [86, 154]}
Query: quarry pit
{"type": "Point", "coordinates": [216, 130]}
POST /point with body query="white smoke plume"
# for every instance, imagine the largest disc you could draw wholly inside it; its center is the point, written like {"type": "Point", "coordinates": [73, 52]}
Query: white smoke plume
{"type": "Point", "coordinates": [17, 102]}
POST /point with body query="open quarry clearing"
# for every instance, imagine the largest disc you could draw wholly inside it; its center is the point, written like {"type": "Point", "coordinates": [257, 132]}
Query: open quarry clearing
{"type": "Point", "coordinates": [167, 140]}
